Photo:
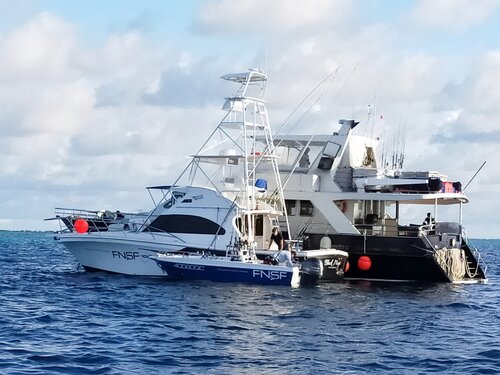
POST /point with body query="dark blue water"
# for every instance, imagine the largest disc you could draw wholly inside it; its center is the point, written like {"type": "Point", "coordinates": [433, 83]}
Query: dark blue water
{"type": "Point", "coordinates": [55, 318]}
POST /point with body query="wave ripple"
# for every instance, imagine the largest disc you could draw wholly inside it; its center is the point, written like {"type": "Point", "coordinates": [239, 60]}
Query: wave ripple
{"type": "Point", "coordinates": [57, 319]}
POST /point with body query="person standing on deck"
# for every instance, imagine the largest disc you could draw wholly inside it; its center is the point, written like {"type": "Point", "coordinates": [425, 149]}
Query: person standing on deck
{"type": "Point", "coordinates": [276, 238]}
{"type": "Point", "coordinates": [429, 220]}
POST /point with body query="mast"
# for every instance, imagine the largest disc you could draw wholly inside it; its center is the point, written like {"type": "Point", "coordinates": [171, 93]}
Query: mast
{"type": "Point", "coordinates": [239, 147]}
{"type": "Point", "coordinates": [248, 112]}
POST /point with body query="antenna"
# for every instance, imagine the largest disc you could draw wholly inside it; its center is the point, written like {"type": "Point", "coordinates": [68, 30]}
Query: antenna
{"type": "Point", "coordinates": [402, 151]}
{"type": "Point", "coordinates": [266, 67]}
{"type": "Point", "coordinates": [475, 174]}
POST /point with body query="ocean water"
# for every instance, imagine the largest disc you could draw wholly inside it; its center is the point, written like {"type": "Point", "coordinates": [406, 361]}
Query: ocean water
{"type": "Point", "coordinates": [57, 319]}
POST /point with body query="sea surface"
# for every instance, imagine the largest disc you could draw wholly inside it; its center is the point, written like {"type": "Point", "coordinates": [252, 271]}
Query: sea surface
{"type": "Point", "coordinates": [56, 318]}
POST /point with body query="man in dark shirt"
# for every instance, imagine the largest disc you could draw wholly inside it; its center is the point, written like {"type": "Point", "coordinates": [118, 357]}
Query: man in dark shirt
{"type": "Point", "coordinates": [429, 219]}
{"type": "Point", "coordinates": [277, 238]}
{"type": "Point", "coordinates": [430, 223]}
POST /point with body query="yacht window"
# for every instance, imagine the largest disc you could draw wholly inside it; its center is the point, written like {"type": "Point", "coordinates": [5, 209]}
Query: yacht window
{"type": "Point", "coordinates": [175, 195]}
{"type": "Point", "coordinates": [293, 155]}
{"type": "Point", "coordinates": [306, 208]}
{"type": "Point", "coordinates": [291, 207]}
{"type": "Point", "coordinates": [325, 163]}
{"type": "Point", "coordinates": [331, 149]}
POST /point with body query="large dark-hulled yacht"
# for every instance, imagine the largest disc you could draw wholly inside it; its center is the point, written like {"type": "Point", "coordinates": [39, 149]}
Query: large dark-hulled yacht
{"type": "Point", "coordinates": [336, 186]}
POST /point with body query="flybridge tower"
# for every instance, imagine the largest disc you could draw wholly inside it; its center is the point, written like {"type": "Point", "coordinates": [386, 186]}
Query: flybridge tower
{"type": "Point", "coordinates": [241, 142]}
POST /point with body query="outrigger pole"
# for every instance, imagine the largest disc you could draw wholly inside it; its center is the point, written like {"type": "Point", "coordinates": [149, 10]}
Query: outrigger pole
{"type": "Point", "coordinates": [475, 174]}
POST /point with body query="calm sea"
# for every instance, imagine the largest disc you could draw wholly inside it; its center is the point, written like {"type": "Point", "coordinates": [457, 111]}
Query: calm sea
{"type": "Point", "coordinates": [56, 318]}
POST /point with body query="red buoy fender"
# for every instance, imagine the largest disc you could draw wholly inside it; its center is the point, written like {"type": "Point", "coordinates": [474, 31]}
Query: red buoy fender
{"type": "Point", "coordinates": [81, 226]}
{"type": "Point", "coordinates": [364, 263]}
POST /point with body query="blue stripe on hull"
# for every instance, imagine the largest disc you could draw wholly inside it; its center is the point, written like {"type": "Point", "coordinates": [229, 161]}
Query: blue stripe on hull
{"type": "Point", "coordinates": [226, 274]}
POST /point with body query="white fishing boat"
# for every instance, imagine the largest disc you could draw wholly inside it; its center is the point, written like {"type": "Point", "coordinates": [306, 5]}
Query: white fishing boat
{"type": "Point", "coordinates": [218, 207]}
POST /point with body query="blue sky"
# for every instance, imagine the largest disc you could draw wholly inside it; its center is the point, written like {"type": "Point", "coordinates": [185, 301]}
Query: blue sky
{"type": "Point", "coordinates": [98, 18]}
{"type": "Point", "coordinates": [97, 97]}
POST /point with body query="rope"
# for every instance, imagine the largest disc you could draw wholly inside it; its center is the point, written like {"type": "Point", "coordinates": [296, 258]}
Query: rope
{"type": "Point", "coordinates": [452, 261]}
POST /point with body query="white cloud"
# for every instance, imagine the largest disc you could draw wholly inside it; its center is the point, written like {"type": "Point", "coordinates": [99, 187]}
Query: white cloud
{"type": "Point", "coordinates": [90, 126]}
{"type": "Point", "coordinates": [62, 142]}
{"type": "Point", "coordinates": [42, 48]}
{"type": "Point", "coordinates": [477, 98]}
{"type": "Point", "coordinates": [454, 14]}
{"type": "Point", "coordinates": [485, 81]}
{"type": "Point", "coordinates": [278, 16]}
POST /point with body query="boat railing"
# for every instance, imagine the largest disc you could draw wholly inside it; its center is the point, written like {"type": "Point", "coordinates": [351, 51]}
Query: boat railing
{"type": "Point", "coordinates": [455, 234]}
{"type": "Point", "coordinates": [449, 232]}
{"type": "Point", "coordinates": [392, 229]}
{"type": "Point", "coordinates": [75, 212]}
{"type": "Point", "coordinates": [295, 245]}
{"type": "Point", "coordinates": [89, 214]}
{"type": "Point", "coordinates": [411, 230]}
{"type": "Point", "coordinates": [475, 252]}
{"type": "Point", "coordinates": [99, 221]}
{"type": "Point", "coordinates": [424, 231]}
{"type": "Point", "coordinates": [443, 234]}
{"type": "Point", "coordinates": [387, 228]}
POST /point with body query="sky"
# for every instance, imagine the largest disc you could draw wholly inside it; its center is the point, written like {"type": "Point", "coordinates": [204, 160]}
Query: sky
{"type": "Point", "coordinates": [99, 99]}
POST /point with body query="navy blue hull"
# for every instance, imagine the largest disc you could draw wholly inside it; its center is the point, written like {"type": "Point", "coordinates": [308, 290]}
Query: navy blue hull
{"type": "Point", "coordinates": [257, 275]}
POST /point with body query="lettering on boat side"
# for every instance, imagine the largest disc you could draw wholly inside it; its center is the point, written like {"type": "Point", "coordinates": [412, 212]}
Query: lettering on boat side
{"type": "Point", "coordinates": [127, 255]}
{"type": "Point", "coordinates": [190, 267]}
{"type": "Point", "coordinates": [331, 263]}
{"type": "Point", "coordinates": [271, 275]}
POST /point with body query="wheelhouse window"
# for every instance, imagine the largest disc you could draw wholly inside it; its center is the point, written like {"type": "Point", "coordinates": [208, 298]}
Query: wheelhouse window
{"type": "Point", "coordinates": [291, 207]}
{"type": "Point", "coordinates": [306, 208]}
{"type": "Point", "coordinates": [175, 196]}
{"type": "Point", "coordinates": [331, 149]}
{"type": "Point", "coordinates": [330, 152]}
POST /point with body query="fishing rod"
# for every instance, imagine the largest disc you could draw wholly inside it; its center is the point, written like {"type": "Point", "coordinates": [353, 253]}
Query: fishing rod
{"type": "Point", "coordinates": [271, 147]}
{"type": "Point", "coordinates": [305, 98]}
{"type": "Point", "coordinates": [475, 174]}
{"type": "Point", "coordinates": [289, 176]}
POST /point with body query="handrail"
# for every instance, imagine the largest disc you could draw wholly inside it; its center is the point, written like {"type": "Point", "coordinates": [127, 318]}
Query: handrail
{"type": "Point", "coordinates": [479, 260]}
{"type": "Point", "coordinates": [69, 211]}
{"type": "Point", "coordinates": [427, 228]}
{"type": "Point", "coordinates": [423, 230]}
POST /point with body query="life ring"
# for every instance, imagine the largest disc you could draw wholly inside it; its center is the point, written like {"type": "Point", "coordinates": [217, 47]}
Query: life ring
{"type": "Point", "coordinates": [342, 205]}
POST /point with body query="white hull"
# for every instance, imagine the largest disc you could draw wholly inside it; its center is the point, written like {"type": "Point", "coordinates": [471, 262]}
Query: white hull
{"type": "Point", "coordinates": [113, 254]}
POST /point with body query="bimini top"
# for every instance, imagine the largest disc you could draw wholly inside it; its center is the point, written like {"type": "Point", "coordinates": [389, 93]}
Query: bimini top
{"type": "Point", "coordinates": [253, 75]}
